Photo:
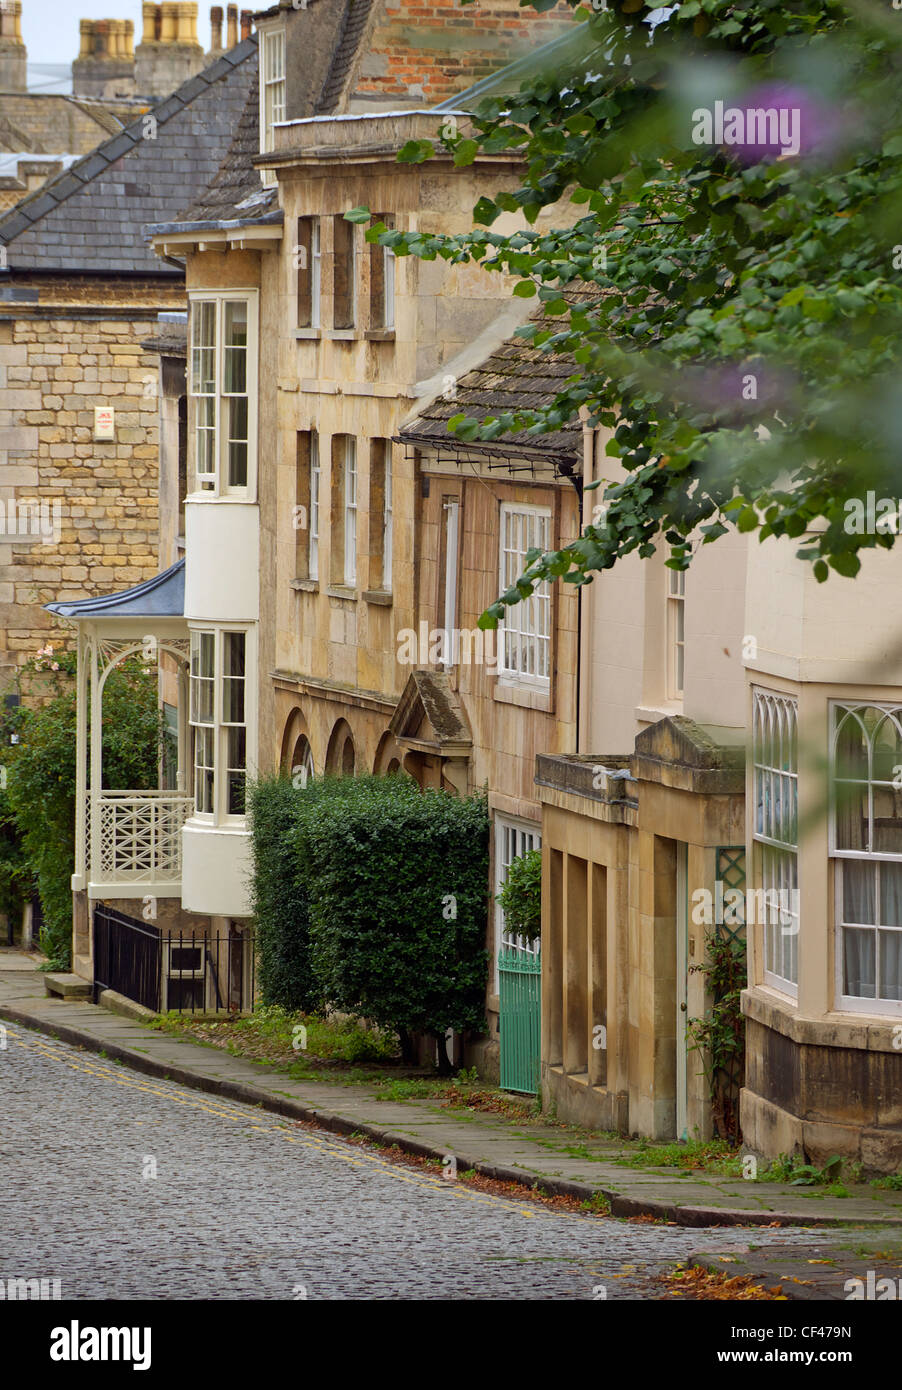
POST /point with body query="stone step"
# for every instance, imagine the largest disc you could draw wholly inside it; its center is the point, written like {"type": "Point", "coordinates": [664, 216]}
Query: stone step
{"type": "Point", "coordinates": [68, 986]}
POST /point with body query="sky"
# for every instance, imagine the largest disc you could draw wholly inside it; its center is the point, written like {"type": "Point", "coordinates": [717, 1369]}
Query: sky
{"type": "Point", "coordinates": [50, 27]}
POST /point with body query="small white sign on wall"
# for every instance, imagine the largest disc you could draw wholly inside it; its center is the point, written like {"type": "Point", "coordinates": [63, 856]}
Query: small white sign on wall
{"type": "Point", "coordinates": [104, 422]}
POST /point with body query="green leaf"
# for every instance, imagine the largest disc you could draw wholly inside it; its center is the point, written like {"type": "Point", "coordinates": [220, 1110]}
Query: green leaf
{"type": "Point", "coordinates": [465, 151]}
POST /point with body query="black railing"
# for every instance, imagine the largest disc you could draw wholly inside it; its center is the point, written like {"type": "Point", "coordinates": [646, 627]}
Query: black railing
{"type": "Point", "coordinates": [186, 972]}
{"type": "Point", "coordinates": [127, 957]}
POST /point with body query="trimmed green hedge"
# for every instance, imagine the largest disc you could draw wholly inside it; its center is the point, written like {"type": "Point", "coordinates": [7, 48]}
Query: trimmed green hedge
{"type": "Point", "coordinates": [279, 897]}
{"type": "Point", "coordinates": [374, 895]}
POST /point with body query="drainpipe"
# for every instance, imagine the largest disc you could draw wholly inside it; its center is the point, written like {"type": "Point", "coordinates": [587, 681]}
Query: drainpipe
{"type": "Point", "coordinates": [577, 480]}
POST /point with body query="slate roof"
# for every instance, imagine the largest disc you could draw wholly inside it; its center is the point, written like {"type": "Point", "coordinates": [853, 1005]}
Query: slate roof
{"type": "Point", "coordinates": [160, 597]}
{"type": "Point", "coordinates": [516, 376]}
{"type": "Point", "coordinates": [235, 194]}
{"type": "Point", "coordinates": [171, 341]}
{"type": "Point", "coordinates": [91, 218]}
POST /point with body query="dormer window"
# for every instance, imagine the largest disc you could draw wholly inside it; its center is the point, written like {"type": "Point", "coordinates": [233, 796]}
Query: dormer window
{"type": "Point", "coordinates": [272, 89]}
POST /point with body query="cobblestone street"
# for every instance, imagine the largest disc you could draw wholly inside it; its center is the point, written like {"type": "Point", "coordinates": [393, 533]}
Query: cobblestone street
{"type": "Point", "coordinates": [129, 1187]}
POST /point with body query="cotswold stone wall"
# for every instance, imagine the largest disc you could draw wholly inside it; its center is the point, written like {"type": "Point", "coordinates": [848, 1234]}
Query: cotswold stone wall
{"type": "Point", "coordinates": [78, 516]}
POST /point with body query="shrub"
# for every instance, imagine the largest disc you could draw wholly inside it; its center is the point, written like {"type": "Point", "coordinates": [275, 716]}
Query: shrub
{"type": "Point", "coordinates": [521, 896]}
{"type": "Point", "coordinates": [398, 901]}
{"type": "Point", "coordinates": [15, 871]}
{"type": "Point", "coordinates": [279, 896]}
{"type": "Point", "coordinates": [372, 895]}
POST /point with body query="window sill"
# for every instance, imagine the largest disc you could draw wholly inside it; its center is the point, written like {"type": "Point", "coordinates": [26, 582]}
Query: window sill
{"type": "Point", "coordinates": [345, 591]}
{"type": "Point", "coordinates": [383, 598]}
{"type": "Point", "coordinates": [650, 714]}
{"type": "Point", "coordinates": [210, 497]}
{"type": "Point", "coordinates": [380, 335]}
{"type": "Point", "coordinates": [510, 691]}
{"type": "Point", "coordinates": [308, 334]}
{"type": "Point", "coordinates": [342, 335]}
{"type": "Point", "coordinates": [306, 586]}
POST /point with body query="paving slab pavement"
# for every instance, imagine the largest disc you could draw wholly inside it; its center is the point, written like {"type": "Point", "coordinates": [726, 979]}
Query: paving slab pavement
{"type": "Point", "coordinates": [557, 1158]}
{"type": "Point", "coordinates": [858, 1268]}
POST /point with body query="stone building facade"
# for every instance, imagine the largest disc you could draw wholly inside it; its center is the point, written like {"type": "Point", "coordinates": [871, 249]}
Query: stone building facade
{"type": "Point", "coordinates": [82, 292]}
{"type": "Point", "coordinates": [336, 663]}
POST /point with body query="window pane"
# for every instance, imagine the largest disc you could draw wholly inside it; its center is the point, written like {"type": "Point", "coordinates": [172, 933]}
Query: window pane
{"type": "Point", "coordinates": [237, 412]}
{"type": "Point", "coordinates": [887, 743]}
{"type": "Point", "coordinates": [202, 668]}
{"type": "Point", "coordinates": [233, 673]}
{"type": "Point", "coordinates": [890, 948]}
{"type": "Point", "coordinates": [203, 770]}
{"type": "Point", "coordinates": [203, 347]}
{"type": "Point", "coordinates": [890, 896]}
{"type": "Point", "coordinates": [314, 506]}
{"type": "Point", "coordinates": [859, 885]}
{"type": "Point", "coordinates": [851, 759]}
{"type": "Point", "coordinates": [235, 356]}
{"type": "Point", "coordinates": [887, 824]}
{"type": "Point", "coordinates": [205, 435]}
{"type": "Point", "coordinates": [860, 963]}
{"type": "Point", "coordinates": [235, 774]}
{"type": "Point", "coordinates": [851, 813]}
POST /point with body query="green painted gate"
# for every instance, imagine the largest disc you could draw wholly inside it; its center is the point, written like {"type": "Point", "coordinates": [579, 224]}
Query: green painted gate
{"type": "Point", "coordinates": [520, 988]}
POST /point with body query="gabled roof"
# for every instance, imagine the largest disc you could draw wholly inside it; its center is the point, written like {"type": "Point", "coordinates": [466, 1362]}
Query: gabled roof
{"type": "Point", "coordinates": [91, 218]}
{"type": "Point", "coordinates": [428, 696]}
{"type": "Point", "coordinates": [160, 597]}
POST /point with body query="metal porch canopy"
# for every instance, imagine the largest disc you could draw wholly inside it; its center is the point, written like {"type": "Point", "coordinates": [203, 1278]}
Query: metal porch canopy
{"type": "Point", "coordinates": [128, 843]}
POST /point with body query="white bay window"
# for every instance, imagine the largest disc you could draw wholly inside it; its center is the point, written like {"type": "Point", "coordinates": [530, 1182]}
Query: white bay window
{"type": "Point", "coordinates": [775, 833]}
{"type": "Point", "coordinates": [223, 392]}
{"type": "Point", "coordinates": [866, 846]}
{"type": "Point", "coordinates": [219, 719]}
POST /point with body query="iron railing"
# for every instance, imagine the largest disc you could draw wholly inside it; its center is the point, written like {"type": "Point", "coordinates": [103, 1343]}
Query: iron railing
{"type": "Point", "coordinates": [186, 972]}
{"type": "Point", "coordinates": [127, 957]}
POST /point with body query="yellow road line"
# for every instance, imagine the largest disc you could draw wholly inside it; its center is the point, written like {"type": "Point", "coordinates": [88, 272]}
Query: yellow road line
{"type": "Point", "coordinates": [355, 1157]}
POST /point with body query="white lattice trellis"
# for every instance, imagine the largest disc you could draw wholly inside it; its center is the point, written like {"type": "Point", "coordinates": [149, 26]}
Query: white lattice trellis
{"type": "Point", "coordinates": [139, 837]}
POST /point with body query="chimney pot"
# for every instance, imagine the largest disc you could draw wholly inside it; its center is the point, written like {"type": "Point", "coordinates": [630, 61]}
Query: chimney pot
{"type": "Point", "coordinates": [231, 26]}
{"type": "Point", "coordinates": [170, 25]}
{"type": "Point", "coordinates": [216, 29]}
{"type": "Point", "coordinates": [247, 23]}
{"type": "Point", "coordinates": [11, 21]}
{"type": "Point", "coordinates": [150, 15]}
{"type": "Point", "coordinates": [187, 22]}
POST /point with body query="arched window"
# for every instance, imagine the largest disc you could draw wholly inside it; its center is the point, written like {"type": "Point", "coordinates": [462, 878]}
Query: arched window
{"type": "Point", "coordinates": [302, 762]}
{"type": "Point", "coordinates": [340, 759]}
